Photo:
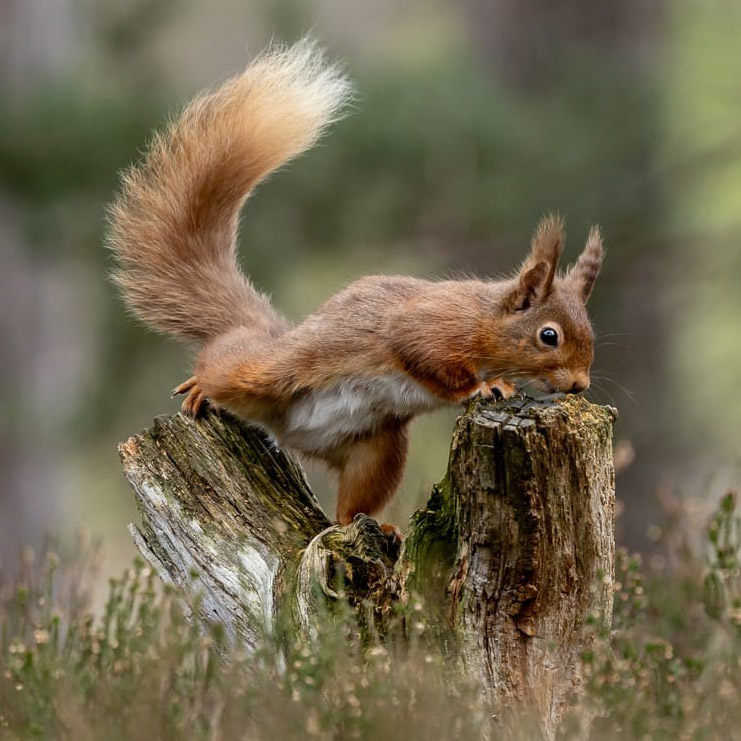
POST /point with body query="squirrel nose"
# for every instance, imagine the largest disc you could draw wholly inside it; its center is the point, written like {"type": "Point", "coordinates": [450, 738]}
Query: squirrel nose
{"type": "Point", "coordinates": [579, 385]}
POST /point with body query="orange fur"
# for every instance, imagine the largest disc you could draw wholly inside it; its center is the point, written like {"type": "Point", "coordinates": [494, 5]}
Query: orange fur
{"type": "Point", "coordinates": [342, 385]}
{"type": "Point", "coordinates": [372, 472]}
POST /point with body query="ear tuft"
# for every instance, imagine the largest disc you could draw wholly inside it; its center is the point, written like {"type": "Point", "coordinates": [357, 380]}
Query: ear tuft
{"type": "Point", "coordinates": [586, 269]}
{"type": "Point", "coordinates": [547, 246]}
{"type": "Point", "coordinates": [535, 279]}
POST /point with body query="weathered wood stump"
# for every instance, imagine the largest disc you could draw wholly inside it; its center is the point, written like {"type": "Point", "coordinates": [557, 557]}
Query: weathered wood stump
{"type": "Point", "coordinates": [513, 554]}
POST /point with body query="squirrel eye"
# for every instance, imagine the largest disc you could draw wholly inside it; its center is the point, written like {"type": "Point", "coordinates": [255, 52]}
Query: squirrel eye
{"type": "Point", "coordinates": [549, 336]}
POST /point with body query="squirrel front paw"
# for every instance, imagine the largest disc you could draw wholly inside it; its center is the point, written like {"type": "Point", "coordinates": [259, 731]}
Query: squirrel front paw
{"type": "Point", "coordinates": [498, 389]}
{"type": "Point", "coordinates": [194, 401]}
{"type": "Point", "coordinates": [501, 389]}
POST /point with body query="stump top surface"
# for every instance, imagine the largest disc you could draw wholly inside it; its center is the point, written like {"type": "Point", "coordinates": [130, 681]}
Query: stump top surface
{"type": "Point", "coordinates": [523, 411]}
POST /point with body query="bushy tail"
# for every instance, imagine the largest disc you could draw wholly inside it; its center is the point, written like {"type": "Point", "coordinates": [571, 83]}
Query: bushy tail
{"type": "Point", "coordinates": [173, 227]}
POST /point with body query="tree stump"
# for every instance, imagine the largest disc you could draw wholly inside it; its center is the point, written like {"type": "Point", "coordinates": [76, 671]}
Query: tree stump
{"type": "Point", "coordinates": [513, 554]}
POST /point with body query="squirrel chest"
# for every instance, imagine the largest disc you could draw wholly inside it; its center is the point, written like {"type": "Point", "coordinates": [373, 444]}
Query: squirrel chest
{"type": "Point", "coordinates": [324, 418]}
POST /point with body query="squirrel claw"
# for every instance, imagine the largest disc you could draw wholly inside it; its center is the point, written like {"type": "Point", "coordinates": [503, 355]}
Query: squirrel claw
{"type": "Point", "coordinates": [184, 387]}
{"type": "Point", "coordinates": [498, 390]}
{"type": "Point", "coordinates": [501, 389]}
{"type": "Point", "coordinates": [193, 403]}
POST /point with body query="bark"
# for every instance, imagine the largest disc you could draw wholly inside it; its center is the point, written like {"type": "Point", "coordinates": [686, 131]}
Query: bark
{"type": "Point", "coordinates": [229, 519]}
{"type": "Point", "coordinates": [517, 545]}
{"type": "Point", "coordinates": [512, 557]}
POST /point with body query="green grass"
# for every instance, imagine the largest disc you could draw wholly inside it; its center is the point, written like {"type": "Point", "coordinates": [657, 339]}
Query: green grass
{"type": "Point", "coordinates": [671, 666]}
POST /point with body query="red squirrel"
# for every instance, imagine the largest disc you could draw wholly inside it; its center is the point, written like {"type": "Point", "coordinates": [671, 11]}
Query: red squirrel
{"type": "Point", "coordinates": [342, 385]}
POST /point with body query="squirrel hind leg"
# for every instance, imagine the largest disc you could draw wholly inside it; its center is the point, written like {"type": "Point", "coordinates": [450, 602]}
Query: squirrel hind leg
{"type": "Point", "coordinates": [371, 474]}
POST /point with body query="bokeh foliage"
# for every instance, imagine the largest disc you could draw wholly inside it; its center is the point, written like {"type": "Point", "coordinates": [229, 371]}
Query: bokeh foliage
{"type": "Point", "coordinates": [443, 166]}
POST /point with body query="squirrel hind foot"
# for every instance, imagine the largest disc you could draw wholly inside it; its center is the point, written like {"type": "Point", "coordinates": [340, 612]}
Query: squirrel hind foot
{"type": "Point", "coordinates": [184, 387]}
{"type": "Point", "coordinates": [393, 535]}
{"type": "Point", "coordinates": [194, 401]}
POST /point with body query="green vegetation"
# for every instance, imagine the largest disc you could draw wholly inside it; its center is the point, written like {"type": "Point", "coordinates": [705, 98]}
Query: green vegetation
{"type": "Point", "coordinates": [671, 666]}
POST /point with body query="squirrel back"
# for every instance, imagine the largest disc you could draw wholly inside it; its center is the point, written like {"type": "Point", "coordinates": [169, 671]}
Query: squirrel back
{"type": "Point", "coordinates": [174, 224]}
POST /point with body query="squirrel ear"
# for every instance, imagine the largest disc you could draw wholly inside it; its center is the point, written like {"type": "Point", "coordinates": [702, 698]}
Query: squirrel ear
{"type": "Point", "coordinates": [530, 284]}
{"type": "Point", "coordinates": [586, 269]}
{"type": "Point", "coordinates": [547, 246]}
{"type": "Point", "coordinates": [535, 278]}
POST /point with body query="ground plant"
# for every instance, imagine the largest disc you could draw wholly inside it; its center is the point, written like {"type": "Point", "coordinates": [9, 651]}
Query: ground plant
{"type": "Point", "coordinates": [140, 667]}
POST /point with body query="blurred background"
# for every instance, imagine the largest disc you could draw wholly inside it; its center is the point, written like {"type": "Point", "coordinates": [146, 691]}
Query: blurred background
{"type": "Point", "coordinates": [473, 119]}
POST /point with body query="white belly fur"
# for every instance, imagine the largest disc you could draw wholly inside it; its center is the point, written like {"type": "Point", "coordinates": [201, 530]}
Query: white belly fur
{"type": "Point", "coordinates": [325, 418]}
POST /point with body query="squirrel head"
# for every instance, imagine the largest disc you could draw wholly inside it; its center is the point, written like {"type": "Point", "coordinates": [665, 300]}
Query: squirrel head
{"type": "Point", "coordinates": [547, 333]}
